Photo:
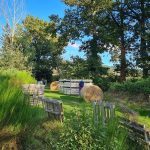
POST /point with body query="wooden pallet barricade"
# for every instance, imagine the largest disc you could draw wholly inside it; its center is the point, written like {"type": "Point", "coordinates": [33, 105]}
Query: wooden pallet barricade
{"type": "Point", "coordinates": [71, 87]}
{"type": "Point", "coordinates": [103, 111]}
{"type": "Point", "coordinates": [35, 91]}
{"type": "Point", "coordinates": [54, 108]}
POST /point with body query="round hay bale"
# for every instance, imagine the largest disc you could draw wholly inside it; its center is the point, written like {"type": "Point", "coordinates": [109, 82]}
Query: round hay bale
{"type": "Point", "coordinates": [92, 93]}
{"type": "Point", "coordinates": [54, 86]}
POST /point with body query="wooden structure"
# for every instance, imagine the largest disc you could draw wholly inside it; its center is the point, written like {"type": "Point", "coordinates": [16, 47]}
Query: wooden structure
{"type": "Point", "coordinates": [103, 111]}
{"type": "Point", "coordinates": [54, 108]}
{"type": "Point", "coordinates": [71, 86]}
{"type": "Point", "coordinates": [136, 132]}
{"type": "Point", "coordinates": [36, 92]}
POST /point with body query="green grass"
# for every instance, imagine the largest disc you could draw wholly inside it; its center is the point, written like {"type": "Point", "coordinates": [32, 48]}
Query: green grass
{"type": "Point", "coordinates": [71, 103]}
{"type": "Point", "coordinates": [143, 111]}
{"type": "Point", "coordinates": [16, 114]}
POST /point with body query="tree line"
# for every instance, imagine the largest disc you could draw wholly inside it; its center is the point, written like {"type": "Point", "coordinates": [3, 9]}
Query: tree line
{"type": "Point", "coordinates": [120, 27]}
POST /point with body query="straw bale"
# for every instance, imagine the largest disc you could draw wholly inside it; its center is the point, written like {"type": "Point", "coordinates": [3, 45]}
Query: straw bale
{"type": "Point", "coordinates": [92, 93]}
{"type": "Point", "coordinates": [54, 86]}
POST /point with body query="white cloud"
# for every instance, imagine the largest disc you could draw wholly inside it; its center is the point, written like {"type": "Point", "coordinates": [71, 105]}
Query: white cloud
{"type": "Point", "coordinates": [74, 45]}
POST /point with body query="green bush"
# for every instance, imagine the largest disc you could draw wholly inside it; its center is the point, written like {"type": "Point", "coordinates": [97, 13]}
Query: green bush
{"type": "Point", "coordinates": [139, 86]}
{"type": "Point", "coordinates": [79, 133]}
{"type": "Point", "coordinates": [103, 83]}
{"type": "Point", "coordinates": [18, 77]}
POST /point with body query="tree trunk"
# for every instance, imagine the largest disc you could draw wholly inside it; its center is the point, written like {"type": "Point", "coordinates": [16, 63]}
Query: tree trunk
{"type": "Point", "coordinates": [143, 53]}
{"type": "Point", "coordinates": [94, 59]}
{"type": "Point", "coordinates": [123, 60]}
{"type": "Point", "coordinates": [123, 49]}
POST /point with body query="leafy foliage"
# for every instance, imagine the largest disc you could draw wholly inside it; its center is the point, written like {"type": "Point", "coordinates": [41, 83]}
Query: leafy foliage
{"type": "Point", "coordinates": [103, 83]}
{"type": "Point", "coordinates": [79, 133]}
{"type": "Point", "coordinates": [46, 52]}
{"type": "Point", "coordinates": [11, 55]}
{"type": "Point", "coordinates": [76, 68]}
{"type": "Point", "coordinates": [139, 86]}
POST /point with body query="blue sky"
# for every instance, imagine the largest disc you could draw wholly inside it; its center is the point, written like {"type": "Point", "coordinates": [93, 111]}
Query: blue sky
{"type": "Point", "coordinates": [44, 8]}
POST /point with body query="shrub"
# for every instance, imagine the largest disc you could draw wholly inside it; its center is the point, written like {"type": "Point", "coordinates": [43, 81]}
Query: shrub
{"type": "Point", "coordinates": [80, 133]}
{"type": "Point", "coordinates": [139, 86]}
{"type": "Point", "coordinates": [17, 77]}
{"type": "Point", "coordinates": [103, 83]}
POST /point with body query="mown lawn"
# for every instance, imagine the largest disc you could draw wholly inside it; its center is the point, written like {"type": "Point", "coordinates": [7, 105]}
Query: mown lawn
{"type": "Point", "coordinates": [71, 103]}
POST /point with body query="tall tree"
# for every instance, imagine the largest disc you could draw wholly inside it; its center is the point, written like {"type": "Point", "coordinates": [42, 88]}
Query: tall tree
{"type": "Point", "coordinates": [140, 15]}
{"type": "Point", "coordinates": [81, 23]}
{"type": "Point", "coordinates": [11, 15]}
{"type": "Point", "coordinates": [11, 55]}
{"type": "Point", "coordinates": [118, 21]}
{"type": "Point", "coordinates": [45, 48]}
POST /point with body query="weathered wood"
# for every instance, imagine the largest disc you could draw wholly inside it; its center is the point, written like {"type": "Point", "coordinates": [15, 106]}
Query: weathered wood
{"type": "Point", "coordinates": [36, 91]}
{"type": "Point", "coordinates": [103, 111]}
{"type": "Point", "coordinates": [54, 108]}
{"type": "Point", "coordinates": [136, 131]}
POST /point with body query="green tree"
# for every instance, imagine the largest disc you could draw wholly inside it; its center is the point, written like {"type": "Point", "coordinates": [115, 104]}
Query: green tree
{"type": "Point", "coordinates": [75, 68]}
{"type": "Point", "coordinates": [11, 14]}
{"type": "Point", "coordinates": [110, 26]}
{"type": "Point", "coordinates": [46, 50]}
{"type": "Point", "coordinates": [138, 11]}
{"type": "Point", "coordinates": [11, 55]}
{"type": "Point", "coordinates": [81, 23]}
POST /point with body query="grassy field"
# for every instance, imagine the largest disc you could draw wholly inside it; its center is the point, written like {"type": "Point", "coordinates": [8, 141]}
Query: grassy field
{"type": "Point", "coordinates": [71, 103]}
{"type": "Point", "coordinates": [44, 133]}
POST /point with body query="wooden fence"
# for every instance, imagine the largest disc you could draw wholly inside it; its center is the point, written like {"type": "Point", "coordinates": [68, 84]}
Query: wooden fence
{"type": "Point", "coordinates": [136, 132]}
{"type": "Point", "coordinates": [104, 111]}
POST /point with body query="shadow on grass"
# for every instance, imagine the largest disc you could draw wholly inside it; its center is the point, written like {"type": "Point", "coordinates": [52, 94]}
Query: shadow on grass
{"type": "Point", "coordinates": [144, 113]}
{"type": "Point", "coordinates": [70, 102]}
{"type": "Point", "coordinates": [66, 99]}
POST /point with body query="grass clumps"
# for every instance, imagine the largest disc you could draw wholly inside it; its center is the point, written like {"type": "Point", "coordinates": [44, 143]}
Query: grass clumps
{"type": "Point", "coordinates": [80, 133]}
{"type": "Point", "coordinates": [15, 110]}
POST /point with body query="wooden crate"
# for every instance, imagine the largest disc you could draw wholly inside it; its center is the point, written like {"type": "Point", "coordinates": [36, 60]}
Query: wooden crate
{"type": "Point", "coordinates": [35, 91]}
